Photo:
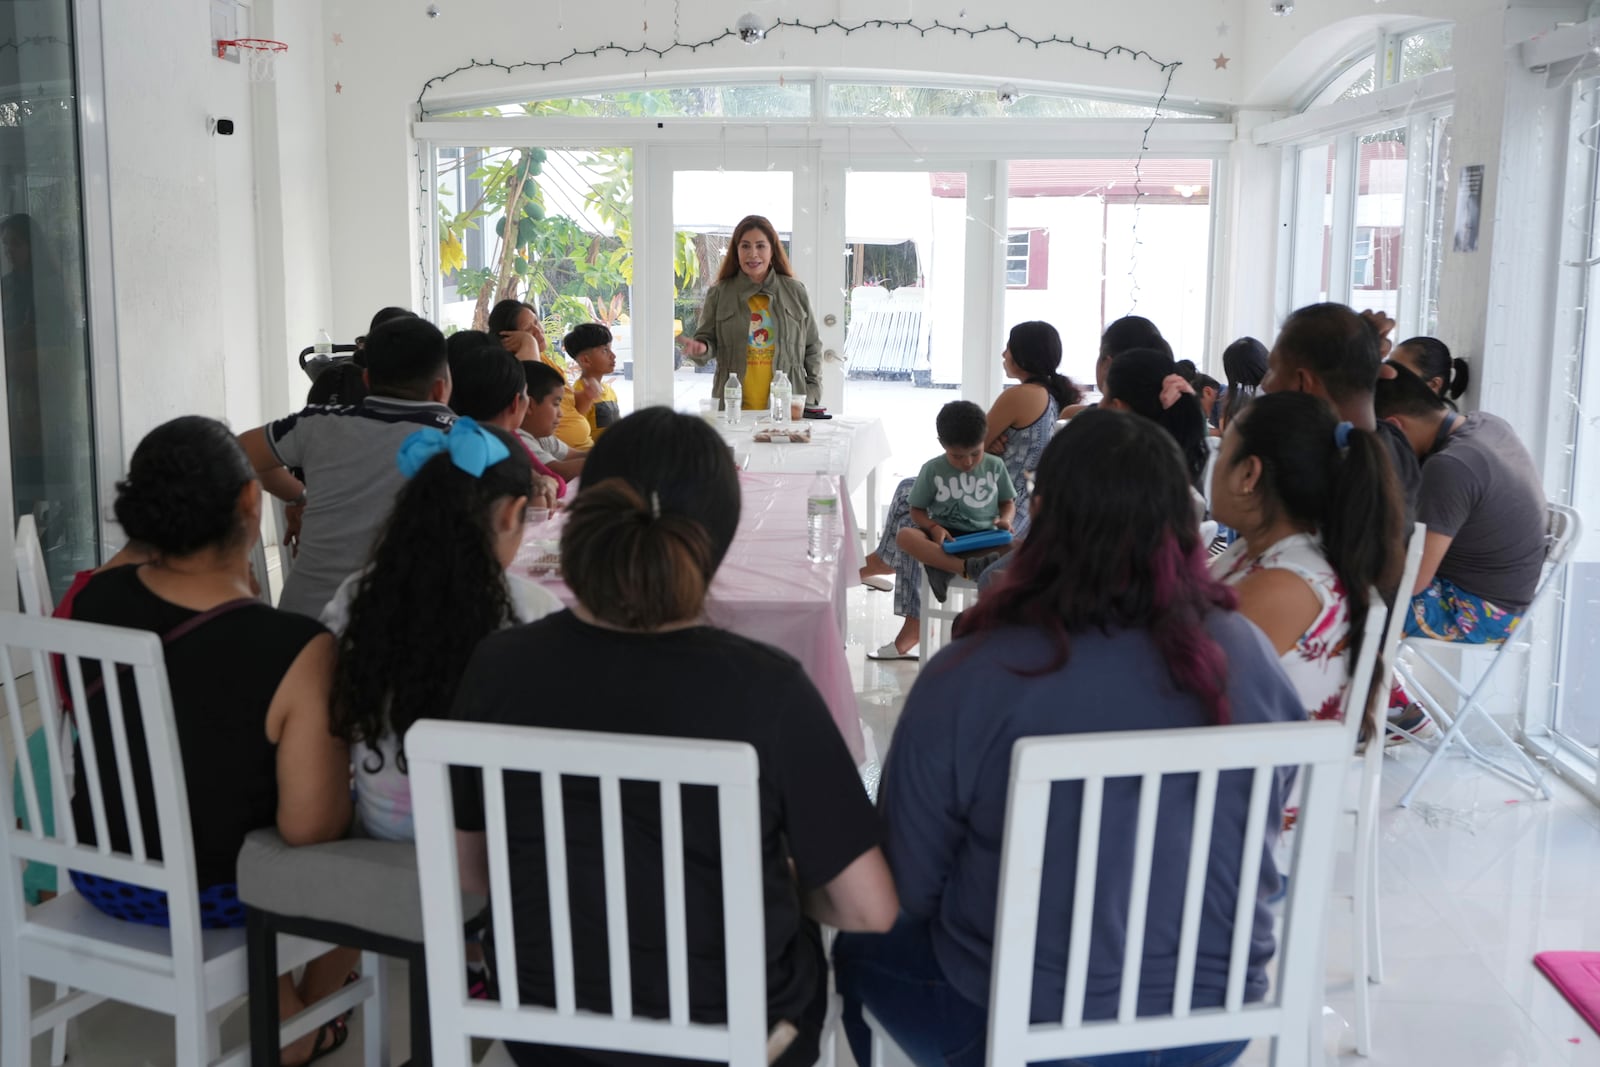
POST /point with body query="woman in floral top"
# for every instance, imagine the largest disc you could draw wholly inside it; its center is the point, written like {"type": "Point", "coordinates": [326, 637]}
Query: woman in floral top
{"type": "Point", "coordinates": [1318, 514]}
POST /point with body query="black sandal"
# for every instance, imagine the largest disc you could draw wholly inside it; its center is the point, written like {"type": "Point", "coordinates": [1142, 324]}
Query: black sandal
{"type": "Point", "coordinates": [331, 1037]}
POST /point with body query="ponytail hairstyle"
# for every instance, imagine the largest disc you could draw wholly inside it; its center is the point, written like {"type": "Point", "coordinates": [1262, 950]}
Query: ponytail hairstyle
{"type": "Point", "coordinates": [653, 519]}
{"type": "Point", "coordinates": [1140, 379]}
{"type": "Point", "coordinates": [1430, 358]}
{"type": "Point", "coordinates": [1132, 561]}
{"type": "Point", "coordinates": [1244, 364]}
{"type": "Point", "coordinates": [1320, 472]}
{"type": "Point", "coordinates": [434, 589]}
{"type": "Point", "coordinates": [1036, 350]}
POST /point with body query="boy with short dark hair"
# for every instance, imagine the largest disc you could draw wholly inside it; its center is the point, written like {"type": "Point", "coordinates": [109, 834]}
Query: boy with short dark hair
{"type": "Point", "coordinates": [546, 398]}
{"type": "Point", "coordinates": [347, 454]}
{"type": "Point", "coordinates": [589, 345]}
{"type": "Point", "coordinates": [961, 491]}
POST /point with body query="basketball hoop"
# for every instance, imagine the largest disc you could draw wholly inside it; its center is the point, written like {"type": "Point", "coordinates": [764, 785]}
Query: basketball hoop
{"type": "Point", "coordinates": [262, 53]}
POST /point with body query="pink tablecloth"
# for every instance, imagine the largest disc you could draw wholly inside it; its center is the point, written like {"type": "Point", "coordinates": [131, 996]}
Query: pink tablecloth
{"type": "Point", "coordinates": [767, 589]}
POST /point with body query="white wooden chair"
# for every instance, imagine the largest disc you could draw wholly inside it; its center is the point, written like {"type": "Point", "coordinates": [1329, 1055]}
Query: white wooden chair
{"type": "Point", "coordinates": [258, 570]}
{"type": "Point", "coordinates": [37, 600]}
{"type": "Point", "coordinates": [1564, 528]}
{"type": "Point", "coordinates": [1320, 750]}
{"type": "Point", "coordinates": [433, 747]}
{"type": "Point", "coordinates": [938, 620]}
{"type": "Point", "coordinates": [31, 573]}
{"type": "Point", "coordinates": [1363, 805]}
{"type": "Point", "coordinates": [190, 974]}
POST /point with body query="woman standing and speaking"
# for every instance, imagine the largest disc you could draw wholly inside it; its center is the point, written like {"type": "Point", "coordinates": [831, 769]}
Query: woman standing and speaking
{"type": "Point", "coordinates": [757, 320]}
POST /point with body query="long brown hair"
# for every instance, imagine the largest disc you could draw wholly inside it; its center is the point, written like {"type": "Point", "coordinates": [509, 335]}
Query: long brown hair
{"type": "Point", "coordinates": [730, 259]}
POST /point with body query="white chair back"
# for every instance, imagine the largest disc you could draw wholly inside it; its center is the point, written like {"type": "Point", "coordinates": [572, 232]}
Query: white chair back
{"type": "Point", "coordinates": [1202, 754]}
{"type": "Point", "coordinates": [126, 655]}
{"type": "Point", "coordinates": [434, 747]}
{"type": "Point", "coordinates": [1374, 636]}
{"type": "Point", "coordinates": [280, 520]}
{"type": "Point", "coordinates": [31, 573]}
{"type": "Point", "coordinates": [1564, 528]}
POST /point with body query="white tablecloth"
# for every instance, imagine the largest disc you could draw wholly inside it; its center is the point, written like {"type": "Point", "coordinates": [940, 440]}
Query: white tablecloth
{"type": "Point", "coordinates": [767, 588]}
{"type": "Point", "coordinates": [849, 446]}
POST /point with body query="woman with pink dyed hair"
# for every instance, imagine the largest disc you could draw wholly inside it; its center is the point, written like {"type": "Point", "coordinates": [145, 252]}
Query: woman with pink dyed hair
{"type": "Point", "coordinates": [1107, 619]}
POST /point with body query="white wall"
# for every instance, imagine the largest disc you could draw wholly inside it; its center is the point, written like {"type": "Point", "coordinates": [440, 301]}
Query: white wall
{"type": "Point", "coordinates": [174, 290]}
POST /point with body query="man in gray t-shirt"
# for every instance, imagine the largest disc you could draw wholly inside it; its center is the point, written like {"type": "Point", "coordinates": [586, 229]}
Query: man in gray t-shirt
{"type": "Point", "coordinates": [1480, 498]}
{"type": "Point", "coordinates": [347, 456]}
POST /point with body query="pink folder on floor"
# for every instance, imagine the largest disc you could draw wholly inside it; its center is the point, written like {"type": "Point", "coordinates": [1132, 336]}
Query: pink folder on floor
{"type": "Point", "coordinates": [1577, 975]}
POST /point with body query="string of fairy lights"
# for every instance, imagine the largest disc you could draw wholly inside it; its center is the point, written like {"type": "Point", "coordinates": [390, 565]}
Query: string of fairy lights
{"type": "Point", "coordinates": [751, 31]}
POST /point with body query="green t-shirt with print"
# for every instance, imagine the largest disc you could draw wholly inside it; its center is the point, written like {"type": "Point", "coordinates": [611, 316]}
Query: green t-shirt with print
{"type": "Point", "coordinates": [963, 501]}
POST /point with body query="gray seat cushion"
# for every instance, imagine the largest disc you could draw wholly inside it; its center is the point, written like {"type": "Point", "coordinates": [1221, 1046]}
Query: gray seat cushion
{"type": "Point", "coordinates": [361, 882]}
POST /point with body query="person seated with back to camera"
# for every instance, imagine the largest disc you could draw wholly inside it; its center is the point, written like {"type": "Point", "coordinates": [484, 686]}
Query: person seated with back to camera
{"type": "Point", "coordinates": [961, 491]}
{"type": "Point", "coordinates": [1485, 510]}
{"type": "Point", "coordinates": [1318, 517]}
{"type": "Point", "coordinates": [1333, 352]}
{"type": "Point", "coordinates": [461, 511]}
{"type": "Point", "coordinates": [546, 388]}
{"type": "Point", "coordinates": [488, 385]}
{"type": "Point", "coordinates": [1108, 621]}
{"type": "Point", "coordinates": [347, 455]}
{"type": "Point", "coordinates": [646, 532]}
{"type": "Point", "coordinates": [1122, 335]}
{"type": "Point", "coordinates": [249, 686]}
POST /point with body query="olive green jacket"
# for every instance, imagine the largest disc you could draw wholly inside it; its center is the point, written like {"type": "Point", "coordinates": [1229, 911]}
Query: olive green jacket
{"type": "Point", "coordinates": [725, 329]}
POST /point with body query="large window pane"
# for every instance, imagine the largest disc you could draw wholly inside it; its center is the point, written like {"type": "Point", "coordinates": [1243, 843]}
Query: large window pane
{"type": "Point", "coordinates": [41, 287]}
{"type": "Point", "coordinates": [774, 100]}
{"type": "Point", "coordinates": [1375, 247]}
{"type": "Point", "coordinates": [923, 101]}
{"type": "Point", "coordinates": [567, 247]}
{"type": "Point", "coordinates": [1313, 225]}
{"type": "Point", "coordinates": [1426, 51]}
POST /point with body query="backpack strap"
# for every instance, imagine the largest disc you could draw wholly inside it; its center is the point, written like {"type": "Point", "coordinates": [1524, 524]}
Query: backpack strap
{"type": "Point", "coordinates": [183, 629]}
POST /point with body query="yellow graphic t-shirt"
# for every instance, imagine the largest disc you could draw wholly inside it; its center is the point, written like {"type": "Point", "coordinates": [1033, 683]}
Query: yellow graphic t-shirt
{"type": "Point", "coordinates": [758, 353]}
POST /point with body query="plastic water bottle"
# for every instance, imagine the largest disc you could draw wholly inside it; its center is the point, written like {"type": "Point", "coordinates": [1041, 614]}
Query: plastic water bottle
{"type": "Point", "coordinates": [324, 345]}
{"type": "Point", "coordinates": [780, 394]}
{"type": "Point", "coordinates": [822, 518]}
{"type": "Point", "coordinates": [733, 400]}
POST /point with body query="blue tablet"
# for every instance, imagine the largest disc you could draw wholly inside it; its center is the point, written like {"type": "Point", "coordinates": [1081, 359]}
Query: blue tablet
{"type": "Point", "coordinates": [973, 541]}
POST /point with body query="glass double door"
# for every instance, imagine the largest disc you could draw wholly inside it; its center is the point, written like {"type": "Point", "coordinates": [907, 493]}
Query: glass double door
{"type": "Point", "coordinates": [49, 472]}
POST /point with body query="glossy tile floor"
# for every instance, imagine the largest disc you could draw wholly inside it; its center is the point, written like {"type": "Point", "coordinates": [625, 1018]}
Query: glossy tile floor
{"type": "Point", "coordinates": [1475, 879]}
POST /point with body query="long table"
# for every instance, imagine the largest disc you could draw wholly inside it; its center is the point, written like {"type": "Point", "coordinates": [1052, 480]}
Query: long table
{"type": "Point", "coordinates": [847, 446]}
{"type": "Point", "coordinates": [767, 588]}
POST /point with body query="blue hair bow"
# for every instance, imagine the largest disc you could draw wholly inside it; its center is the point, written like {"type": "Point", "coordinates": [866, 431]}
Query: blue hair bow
{"type": "Point", "coordinates": [1341, 434]}
{"type": "Point", "coordinates": [472, 448]}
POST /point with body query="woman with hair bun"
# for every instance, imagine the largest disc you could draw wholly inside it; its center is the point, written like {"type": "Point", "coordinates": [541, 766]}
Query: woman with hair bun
{"type": "Point", "coordinates": [249, 692]}
{"type": "Point", "coordinates": [652, 521]}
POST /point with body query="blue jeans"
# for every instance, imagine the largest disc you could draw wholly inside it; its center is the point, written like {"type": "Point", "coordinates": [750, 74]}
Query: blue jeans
{"type": "Point", "coordinates": [896, 975]}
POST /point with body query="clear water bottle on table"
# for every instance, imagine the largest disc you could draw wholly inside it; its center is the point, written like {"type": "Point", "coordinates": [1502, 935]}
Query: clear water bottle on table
{"type": "Point", "coordinates": [733, 400]}
{"type": "Point", "coordinates": [822, 519]}
{"type": "Point", "coordinates": [780, 394]}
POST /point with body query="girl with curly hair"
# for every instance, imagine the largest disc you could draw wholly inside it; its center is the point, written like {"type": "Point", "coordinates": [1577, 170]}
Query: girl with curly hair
{"type": "Point", "coordinates": [436, 586]}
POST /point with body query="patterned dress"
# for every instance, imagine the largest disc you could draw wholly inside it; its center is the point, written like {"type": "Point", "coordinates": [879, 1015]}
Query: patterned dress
{"type": "Point", "coordinates": [1317, 664]}
{"type": "Point", "coordinates": [1024, 448]}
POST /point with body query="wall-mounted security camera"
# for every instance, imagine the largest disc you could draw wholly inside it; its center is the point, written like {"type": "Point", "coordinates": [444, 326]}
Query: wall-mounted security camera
{"type": "Point", "coordinates": [222, 126]}
{"type": "Point", "coordinates": [1281, 7]}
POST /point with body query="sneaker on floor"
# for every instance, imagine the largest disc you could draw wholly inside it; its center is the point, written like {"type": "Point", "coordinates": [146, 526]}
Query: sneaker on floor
{"type": "Point", "coordinates": [1411, 723]}
{"type": "Point", "coordinates": [889, 652]}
